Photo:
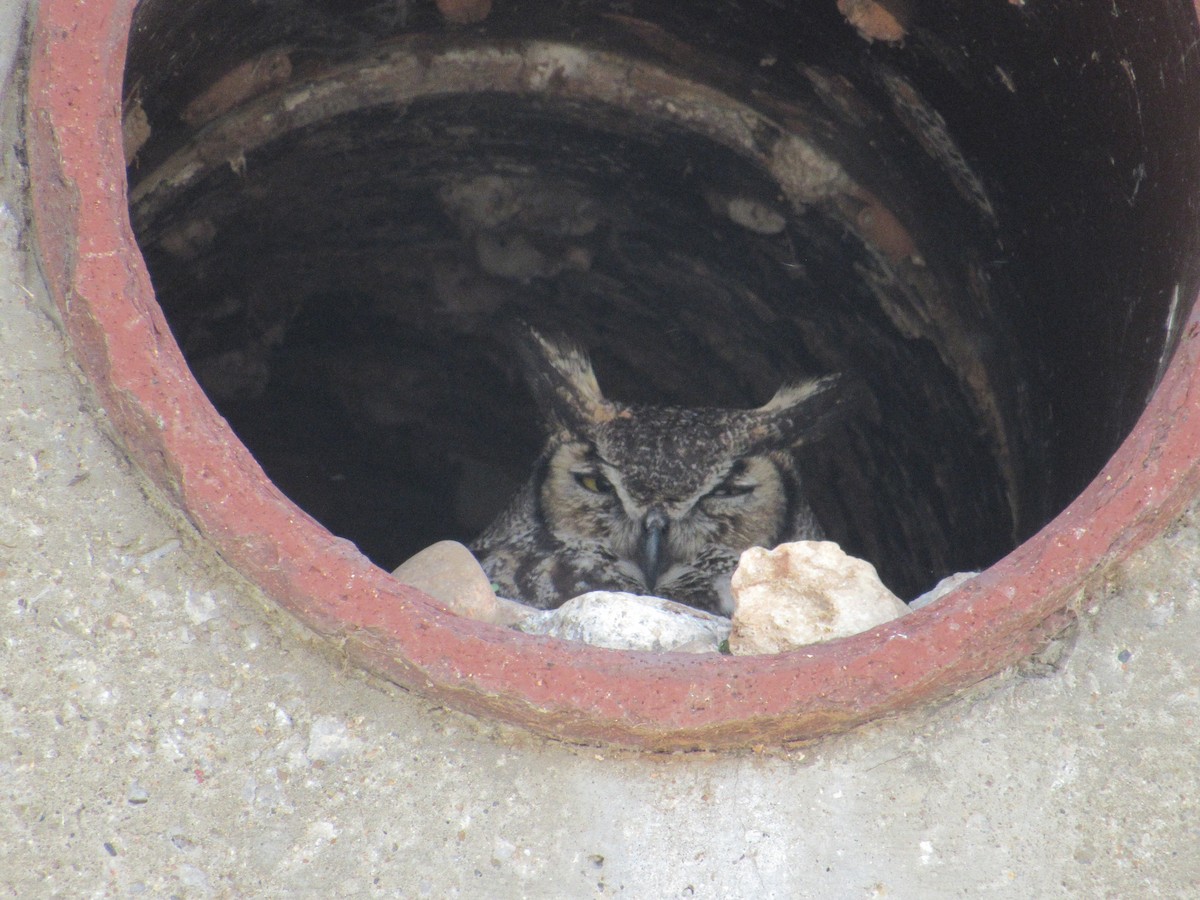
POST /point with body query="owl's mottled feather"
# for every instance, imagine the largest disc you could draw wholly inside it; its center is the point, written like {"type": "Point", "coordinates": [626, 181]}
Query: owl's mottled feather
{"type": "Point", "coordinates": [647, 499]}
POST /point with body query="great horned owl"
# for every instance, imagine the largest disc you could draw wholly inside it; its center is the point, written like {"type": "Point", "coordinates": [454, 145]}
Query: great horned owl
{"type": "Point", "coordinates": [650, 499]}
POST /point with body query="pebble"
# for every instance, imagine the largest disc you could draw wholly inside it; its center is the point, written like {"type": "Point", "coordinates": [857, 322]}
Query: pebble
{"type": "Point", "coordinates": [802, 593]}
{"type": "Point", "coordinates": [200, 608]}
{"type": "Point", "coordinates": [330, 741]}
{"type": "Point", "coordinates": [137, 795]}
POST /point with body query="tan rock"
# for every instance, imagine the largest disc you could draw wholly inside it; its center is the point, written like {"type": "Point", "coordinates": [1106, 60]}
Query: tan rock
{"type": "Point", "coordinates": [449, 573]}
{"type": "Point", "coordinates": [802, 593]}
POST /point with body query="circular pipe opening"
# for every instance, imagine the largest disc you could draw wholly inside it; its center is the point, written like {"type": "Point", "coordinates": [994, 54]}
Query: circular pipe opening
{"type": "Point", "coordinates": [339, 258]}
{"type": "Point", "coordinates": [986, 221]}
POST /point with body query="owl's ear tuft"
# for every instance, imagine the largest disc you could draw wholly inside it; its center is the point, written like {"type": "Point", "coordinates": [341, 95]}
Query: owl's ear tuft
{"type": "Point", "coordinates": [563, 382]}
{"type": "Point", "coordinates": [804, 412]}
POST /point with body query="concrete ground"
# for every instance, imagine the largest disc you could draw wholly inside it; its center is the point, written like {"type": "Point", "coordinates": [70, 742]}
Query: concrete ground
{"type": "Point", "coordinates": [165, 732]}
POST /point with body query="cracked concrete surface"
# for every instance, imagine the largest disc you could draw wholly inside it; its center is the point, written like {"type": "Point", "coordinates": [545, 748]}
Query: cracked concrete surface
{"type": "Point", "coordinates": [164, 731]}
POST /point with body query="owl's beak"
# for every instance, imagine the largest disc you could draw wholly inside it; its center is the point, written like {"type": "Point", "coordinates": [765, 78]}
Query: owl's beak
{"type": "Point", "coordinates": [653, 558]}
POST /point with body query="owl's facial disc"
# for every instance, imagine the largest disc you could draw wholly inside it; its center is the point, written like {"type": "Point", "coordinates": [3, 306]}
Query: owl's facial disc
{"type": "Point", "coordinates": [657, 527]}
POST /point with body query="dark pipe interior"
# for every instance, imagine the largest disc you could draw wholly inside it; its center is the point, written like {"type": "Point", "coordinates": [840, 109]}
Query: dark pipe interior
{"type": "Point", "coordinates": [1003, 272]}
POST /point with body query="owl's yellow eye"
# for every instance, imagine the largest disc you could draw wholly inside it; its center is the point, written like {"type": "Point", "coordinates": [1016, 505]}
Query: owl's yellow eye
{"type": "Point", "coordinates": [593, 482]}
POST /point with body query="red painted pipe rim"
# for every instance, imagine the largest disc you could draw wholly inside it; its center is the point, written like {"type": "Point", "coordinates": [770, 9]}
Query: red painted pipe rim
{"type": "Point", "coordinates": [669, 701]}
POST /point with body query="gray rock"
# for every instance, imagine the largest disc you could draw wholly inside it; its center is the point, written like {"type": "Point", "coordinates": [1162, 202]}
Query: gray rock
{"type": "Point", "coordinates": [621, 621]}
{"type": "Point", "coordinates": [942, 588]}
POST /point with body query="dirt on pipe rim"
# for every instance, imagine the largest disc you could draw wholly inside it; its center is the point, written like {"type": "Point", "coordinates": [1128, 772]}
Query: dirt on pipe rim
{"type": "Point", "coordinates": [577, 693]}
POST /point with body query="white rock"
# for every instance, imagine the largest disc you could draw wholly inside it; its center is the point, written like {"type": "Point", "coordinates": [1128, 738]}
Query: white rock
{"type": "Point", "coordinates": [449, 573]}
{"type": "Point", "coordinates": [621, 621]}
{"type": "Point", "coordinates": [805, 592]}
{"type": "Point", "coordinates": [942, 588]}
